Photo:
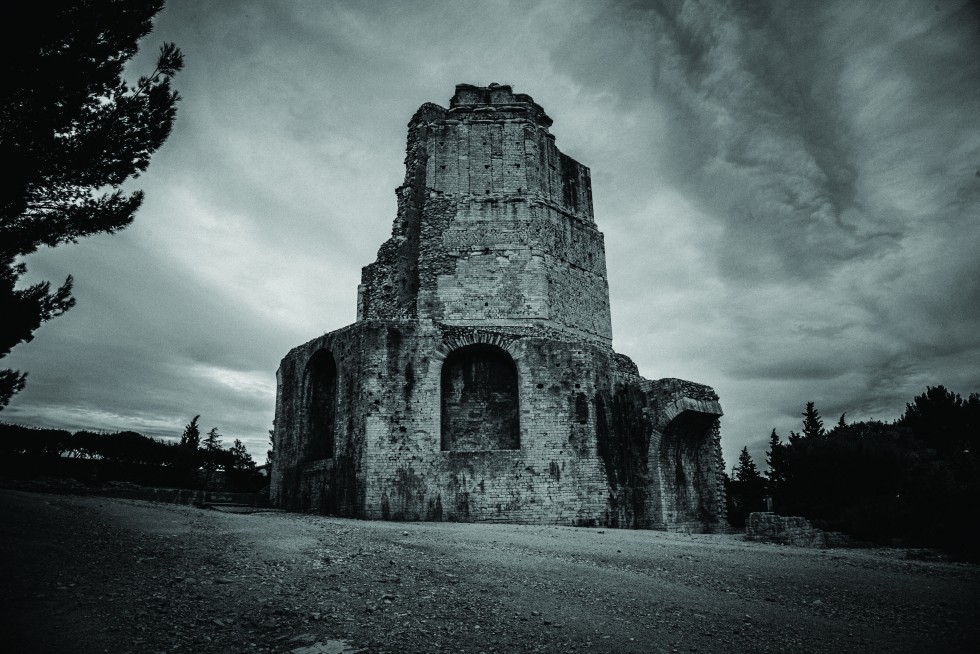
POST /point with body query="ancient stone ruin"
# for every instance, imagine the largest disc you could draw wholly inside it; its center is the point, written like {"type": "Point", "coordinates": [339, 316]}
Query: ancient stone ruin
{"type": "Point", "coordinates": [479, 382]}
{"type": "Point", "coordinates": [795, 531]}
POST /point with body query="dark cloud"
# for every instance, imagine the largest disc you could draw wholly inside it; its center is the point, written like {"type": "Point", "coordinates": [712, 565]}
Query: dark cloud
{"type": "Point", "coordinates": [834, 145]}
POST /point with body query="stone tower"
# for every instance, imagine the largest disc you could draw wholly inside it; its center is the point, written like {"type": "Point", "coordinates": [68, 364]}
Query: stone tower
{"type": "Point", "coordinates": [479, 381]}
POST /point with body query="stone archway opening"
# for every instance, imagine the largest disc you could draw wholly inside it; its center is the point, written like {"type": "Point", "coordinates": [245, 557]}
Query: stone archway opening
{"type": "Point", "coordinates": [479, 400]}
{"type": "Point", "coordinates": [687, 469]}
{"type": "Point", "coordinates": [321, 405]}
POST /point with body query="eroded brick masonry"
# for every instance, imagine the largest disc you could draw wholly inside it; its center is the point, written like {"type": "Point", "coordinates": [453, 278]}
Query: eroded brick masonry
{"type": "Point", "coordinates": [479, 381]}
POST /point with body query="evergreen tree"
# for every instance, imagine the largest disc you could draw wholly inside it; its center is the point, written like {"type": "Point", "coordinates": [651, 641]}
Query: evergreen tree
{"type": "Point", "coordinates": [746, 490]}
{"type": "Point", "coordinates": [187, 456]}
{"type": "Point", "coordinates": [241, 472]}
{"type": "Point", "coordinates": [776, 463]}
{"type": "Point", "coordinates": [212, 455]}
{"type": "Point", "coordinates": [944, 421]}
{"type": "Point", "coordinates": [812, 424]}
{"type": "Point", "coordinates": [212, 442]}
{"type": "Point", "coordinates": [191, 438]}
{"type": "Point", "coordinates": [241, 460]}
{"type": "Point", "coordinates": [72, 131]}
{"type": "Point", "coordinates": [746, 470]}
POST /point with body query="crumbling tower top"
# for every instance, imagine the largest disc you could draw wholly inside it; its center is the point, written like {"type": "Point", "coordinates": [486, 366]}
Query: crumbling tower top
{"type": "Point", "coordinates": [495, 225]}
{"type": "Point", "coordinates": [497, 98]}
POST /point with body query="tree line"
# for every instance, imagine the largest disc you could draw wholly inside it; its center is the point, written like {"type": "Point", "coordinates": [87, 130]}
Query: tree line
{"type": "Point", "coordinates": [193, 461]}
{"type": "Point", "coordinates": [911, 481]}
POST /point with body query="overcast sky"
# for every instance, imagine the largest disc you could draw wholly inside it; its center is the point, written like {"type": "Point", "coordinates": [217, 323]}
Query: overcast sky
{"type": "Point", "coordinates": [789, 192]}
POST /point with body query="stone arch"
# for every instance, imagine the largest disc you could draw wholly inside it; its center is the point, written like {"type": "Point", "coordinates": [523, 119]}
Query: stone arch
{"type": "Point", "coordinates": [320, 385]}
{"type": "Point", "coordinates": [454, 342]}
{"type": "Point", "coordinates": [479, 399]}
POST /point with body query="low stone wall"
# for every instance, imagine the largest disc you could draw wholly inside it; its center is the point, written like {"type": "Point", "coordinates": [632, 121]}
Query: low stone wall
{"type": "Point", "coordinates": [790, 530]}
{"type": "Point", "coordinates": [184, 496]}
{"type": "Point", "coordinates": [135, 492]}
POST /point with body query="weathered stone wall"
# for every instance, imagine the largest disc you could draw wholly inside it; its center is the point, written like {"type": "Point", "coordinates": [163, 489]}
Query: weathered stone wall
{"type": "Point", "coordinates": [547, 479]}
{"type": "Point", "coordinates": [307, 473]}
{"type": "Point", "coordinates": [553, 477]}
{"type": "Point", "coordinates": [791, 530]}
{"type": "Point", "coordinates": [479, 382]}
{"type": "Point", "coordinates": [589, 452]}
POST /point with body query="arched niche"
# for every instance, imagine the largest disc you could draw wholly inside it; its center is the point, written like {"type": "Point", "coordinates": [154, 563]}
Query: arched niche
{"type": "Point", "coordinates": [321, 405]}
{"type": "Point", "coordinates": [687, 468]}
{"type": "Point", "coordinates": [479, 400]}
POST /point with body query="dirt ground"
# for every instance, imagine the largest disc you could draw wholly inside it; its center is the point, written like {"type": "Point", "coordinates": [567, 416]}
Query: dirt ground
{"type": "Point", "coordinates": [91, 574]}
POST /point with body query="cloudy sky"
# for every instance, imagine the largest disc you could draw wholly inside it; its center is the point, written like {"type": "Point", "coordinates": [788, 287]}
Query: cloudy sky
{"type": "Point", "coordinates": [790, 195]}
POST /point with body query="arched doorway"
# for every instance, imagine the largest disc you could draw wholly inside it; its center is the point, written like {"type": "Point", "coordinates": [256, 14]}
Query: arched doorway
{"type": "Point", "coordinates": [687, 469]}
{"type": "Point", "coordinates": [321, 405]}
{"type": "Point", "coordinates": [479, 400]}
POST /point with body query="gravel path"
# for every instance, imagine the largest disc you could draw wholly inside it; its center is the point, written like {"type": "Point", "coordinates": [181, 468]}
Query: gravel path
{"type": "Point", "coordinates": [90, 574]}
